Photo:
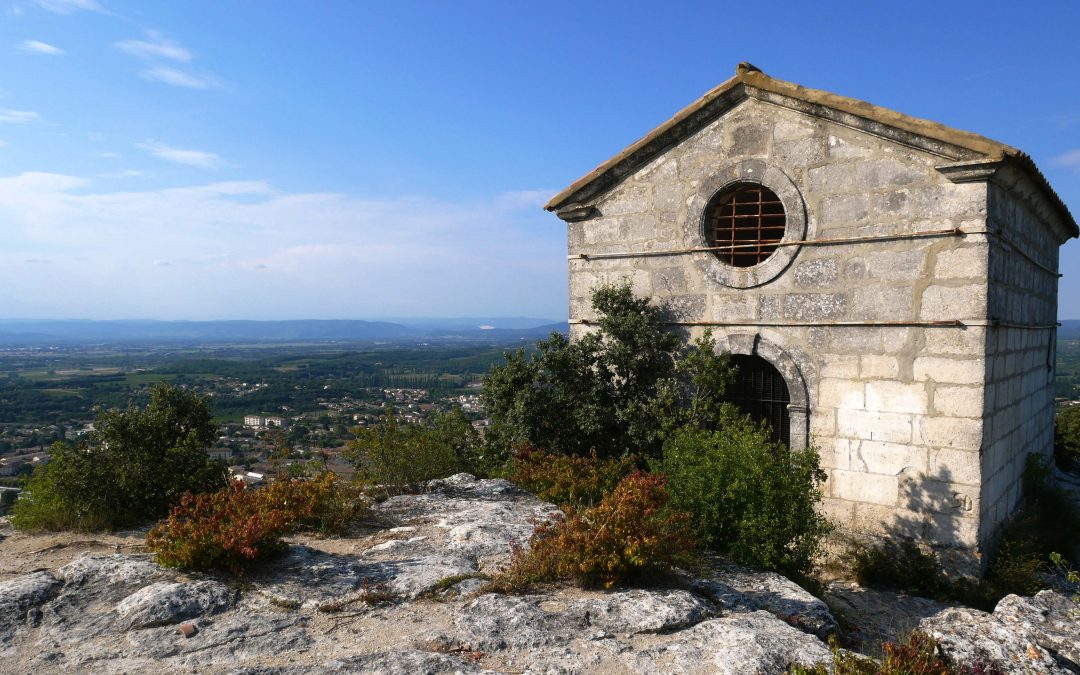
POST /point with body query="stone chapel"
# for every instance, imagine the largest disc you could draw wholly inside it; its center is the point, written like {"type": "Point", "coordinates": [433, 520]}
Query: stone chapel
{"type": "Point", "coordinates": [887, 287]}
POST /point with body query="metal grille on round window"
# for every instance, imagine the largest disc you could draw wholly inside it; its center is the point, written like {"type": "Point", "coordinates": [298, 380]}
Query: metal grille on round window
{"type": "Point", "coordinates": [759, 390]}
{"type": "Point", "coordinates": [745, 222]}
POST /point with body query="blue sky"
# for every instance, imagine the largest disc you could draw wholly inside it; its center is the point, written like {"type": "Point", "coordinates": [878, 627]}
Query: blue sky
{"type": "Point", "coordinates": [273, 160]}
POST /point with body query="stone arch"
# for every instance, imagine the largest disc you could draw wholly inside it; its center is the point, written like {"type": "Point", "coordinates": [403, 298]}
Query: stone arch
{"type": "Point", "coordinates": [753, 344]}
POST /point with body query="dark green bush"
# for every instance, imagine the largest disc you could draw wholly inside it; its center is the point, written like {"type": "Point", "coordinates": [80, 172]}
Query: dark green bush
{"type": "Point", "coordinates": [749, 497]}
{"type": "Point", "coordinates": [132, 469]}
{"type": "Point", "coordinates": [919, 654]}
{"type": "Point", "coordinates": [1067, 437]}
{"type": "Point", "coordinates": [397, 458]}
{"type": "Point", "coordinates": [623, 387]}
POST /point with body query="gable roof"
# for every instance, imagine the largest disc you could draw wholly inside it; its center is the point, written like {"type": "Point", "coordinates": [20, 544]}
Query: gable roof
{"type": "Point", "coordinates": [953, 145]}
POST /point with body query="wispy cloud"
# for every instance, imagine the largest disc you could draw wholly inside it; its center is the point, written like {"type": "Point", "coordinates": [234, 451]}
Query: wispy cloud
{"type": "Point", "coordinates": [159, 53]}
{"type": "Point", "coordinates": [199, 158]}
{"type": "Point", "coordinates": [126, 173]}
{"type": "Point", "coordinates": [181, 78]}
{"type": "Point", "coordinates": [37, 47]}
{"type": "Point", "coordinates": [68, 6]}
{"type": "Point", "coordinates": [232, 245]}
{"type": "Point", "coordinates": [155, 46]}
{"type": "Point", "coordinates": [1070, 159]}
{"type": "Point", "coordinates": [9, 116]}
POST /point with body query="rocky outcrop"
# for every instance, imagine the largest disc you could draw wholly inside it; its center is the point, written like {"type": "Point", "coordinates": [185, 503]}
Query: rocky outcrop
{"type": "Point", "coordinates": [408, 596]}
{"type": "Point", "coordinates": [1022, 635]}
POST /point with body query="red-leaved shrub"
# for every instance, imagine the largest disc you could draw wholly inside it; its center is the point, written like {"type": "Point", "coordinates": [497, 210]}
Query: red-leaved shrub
{"type": "Point", "coordinates": [568, 480]}
{"type": "Point", "coordinates": [236, 527]}
{"type": "Point", "coordinates": [630, 531]}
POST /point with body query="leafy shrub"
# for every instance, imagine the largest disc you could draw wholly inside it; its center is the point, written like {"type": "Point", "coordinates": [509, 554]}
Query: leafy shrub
{"type": "Point", "coordinates": [630, 531]}
{"type": "Point", "coordinates": [1067, 437]}
{"type": "Point", "coordinates": [230, 529]}
{"type": "Point", "coordinates": [323, 504]}
{"type": "Point", "coordinates": [567, 480]}
{"type": "Point", "coordinates": [749, 497]}
{"type": "Point", "coordinates": [899, 566]}
{"type": "Point", "coordinates": [626, 385]}
{"type": "Point", "coordinates": [132, 469]}
{"type": "Point", "coordinates": [398, 458]}
{"type": "Point", "coordinates": [235, 528]}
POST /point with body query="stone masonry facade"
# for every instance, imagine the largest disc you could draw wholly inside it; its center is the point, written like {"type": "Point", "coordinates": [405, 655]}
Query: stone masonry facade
{"type": "Point", "coordinates": [911, 314]}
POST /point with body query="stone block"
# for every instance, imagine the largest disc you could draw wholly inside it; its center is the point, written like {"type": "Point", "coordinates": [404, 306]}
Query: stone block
{"type": "Point", "coordinates": [838, 511]}
{"type": "Point", "coordinates": [793, 128]}
{"type": "Point", "coordinates": [925, 494]}
{"type": "Point", "coordinates": [970, 340]}
{"type": "Point", "coordinates": [905, 265]}
{"type": "Point", "coordinates": [822, 424]}
{"type": "Point", "coordinates": [890, 459]}
{"type": "Point", "coordinates": [948, 432]}
{"type": "Point", "coordinates": [958, 401]}
{"type": "Point", "coordinates": [670, 280]}
{"type": "Point", "coordinates": [839, 393]}
{"type": "Point", "coordinates": [814, 306]}
{"type": "Point", "coordinates": [953, 302]}
{"type": "Point", "coordinates": [955, 466]}
{"type": "Point", "coordinates": [885, 173]}
{"type": "Point", "coordinates": [750, 139]}
{"type": "Point", "coordinates": [843, 210]}
{"type": "Point", "coordinates": [962, 263]}
{"type": "Point", "coordinates": [954, 531]}
{"type": "Point", "coordinates": [839, 365]}
{"type": "Point", "coordinates": [802, 152]}
{"type": "Point", "coordinates": [883, 303]}
{"type": "Point", "coordinates": [633, 198]}
{"type": "Point", "coordinates": [601, 230]}
{"type": "Point", "coordinates": [951, 371]}
{"type": "Point", "coordinates": [832, 178]}
{"type": "Point", "coordinates": [820, 273]}
{"type": "Point", "coordinates": [683, 307]}
{"type": "Point", "coordinates": [874, 426]}
{"type": "Point", "coordinates": [856, 486]}
{"type": "Point", "coordinates": [888, 521]}
{"type": "Point", "coordinates": [845, 148]}
{"type": "Point", "coordinates": [896, 397]}
{"type": "Point", "coordinates": [873, 366]}
{"type": "Point", "coordinates": [734, 308]}
{"type": "Point", "coordinates": [637, 227]}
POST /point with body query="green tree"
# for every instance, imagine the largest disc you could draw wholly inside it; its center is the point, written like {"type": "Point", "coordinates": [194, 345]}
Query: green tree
{"type": "Point", "coordinates": [398, 458]}
{"type": "Point", "coordinates": [131, 469]}
{"type": "Point", "coordinates": [1067, 436]}
{"type": "Point", "coordinates": [621, 388]}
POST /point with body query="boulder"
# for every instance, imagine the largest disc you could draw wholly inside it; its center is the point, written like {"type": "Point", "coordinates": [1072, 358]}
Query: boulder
{"type": "Point", "coordinates": [164, 603]}
{"type": "Point", "coordinates": [1022, 635]}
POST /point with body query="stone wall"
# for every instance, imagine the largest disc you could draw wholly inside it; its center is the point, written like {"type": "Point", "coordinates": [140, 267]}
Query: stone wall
{"type": "Point", "coordinates": [1020, 361]}
{"type": "Point", "coordinates": [896, 411]}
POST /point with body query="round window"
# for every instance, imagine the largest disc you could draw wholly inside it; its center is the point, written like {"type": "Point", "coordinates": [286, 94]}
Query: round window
{"type": "Point", "coordinates": [744, 222]}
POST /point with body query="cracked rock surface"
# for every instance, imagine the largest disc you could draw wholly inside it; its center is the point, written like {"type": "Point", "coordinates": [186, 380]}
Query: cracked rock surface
{"type": "Point", "coordinates": [78, 606]}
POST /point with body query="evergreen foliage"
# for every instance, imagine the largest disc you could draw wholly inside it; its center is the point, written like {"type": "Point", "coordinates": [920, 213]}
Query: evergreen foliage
{"type": "Point", "coordinates": [623, 387]}
{"type": "Point", "coordinates": [750, 497]}
{"type": "Point", "coordinates": [131, 469]}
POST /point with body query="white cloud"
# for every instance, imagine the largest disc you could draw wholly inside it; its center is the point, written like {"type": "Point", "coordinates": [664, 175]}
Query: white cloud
{"type": "Point", "coordinates": [1070, 159]}
{"type": "Point", "coordinates": [68, 6]}
{"type": "Point", "coordinates": [37, 47]}
{"type": "Point", "coordinates": [9, 116]}
{"type": "Point", "coordinates": [181, 78]}
{"type": "Point", "coordinates": [156, 46]}
{"type": "Point", "coordinates": [126, 173]}
{"type": "Point", "coordinates": [243, 249]}
{"type": "Point", "coordinates": [199, 158]}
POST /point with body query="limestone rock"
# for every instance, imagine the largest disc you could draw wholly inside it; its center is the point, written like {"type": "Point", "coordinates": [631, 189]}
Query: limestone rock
{"type": "Point", "coordinates": [738, 587]}
{"type": "Point", "coordinates": [1022, 635]}
{"type": "Point", "coordinates": [164, 603]}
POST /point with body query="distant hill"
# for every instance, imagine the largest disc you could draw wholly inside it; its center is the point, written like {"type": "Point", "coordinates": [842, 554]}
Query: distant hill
{"type": "Point", "coordinates": [1069, 329]}
{"type": "Point", "coordinates": [44, 332]}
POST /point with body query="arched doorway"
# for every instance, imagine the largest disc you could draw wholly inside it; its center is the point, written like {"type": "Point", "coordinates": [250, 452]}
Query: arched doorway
{"type": "Point", "coordinates": [760, 391]}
